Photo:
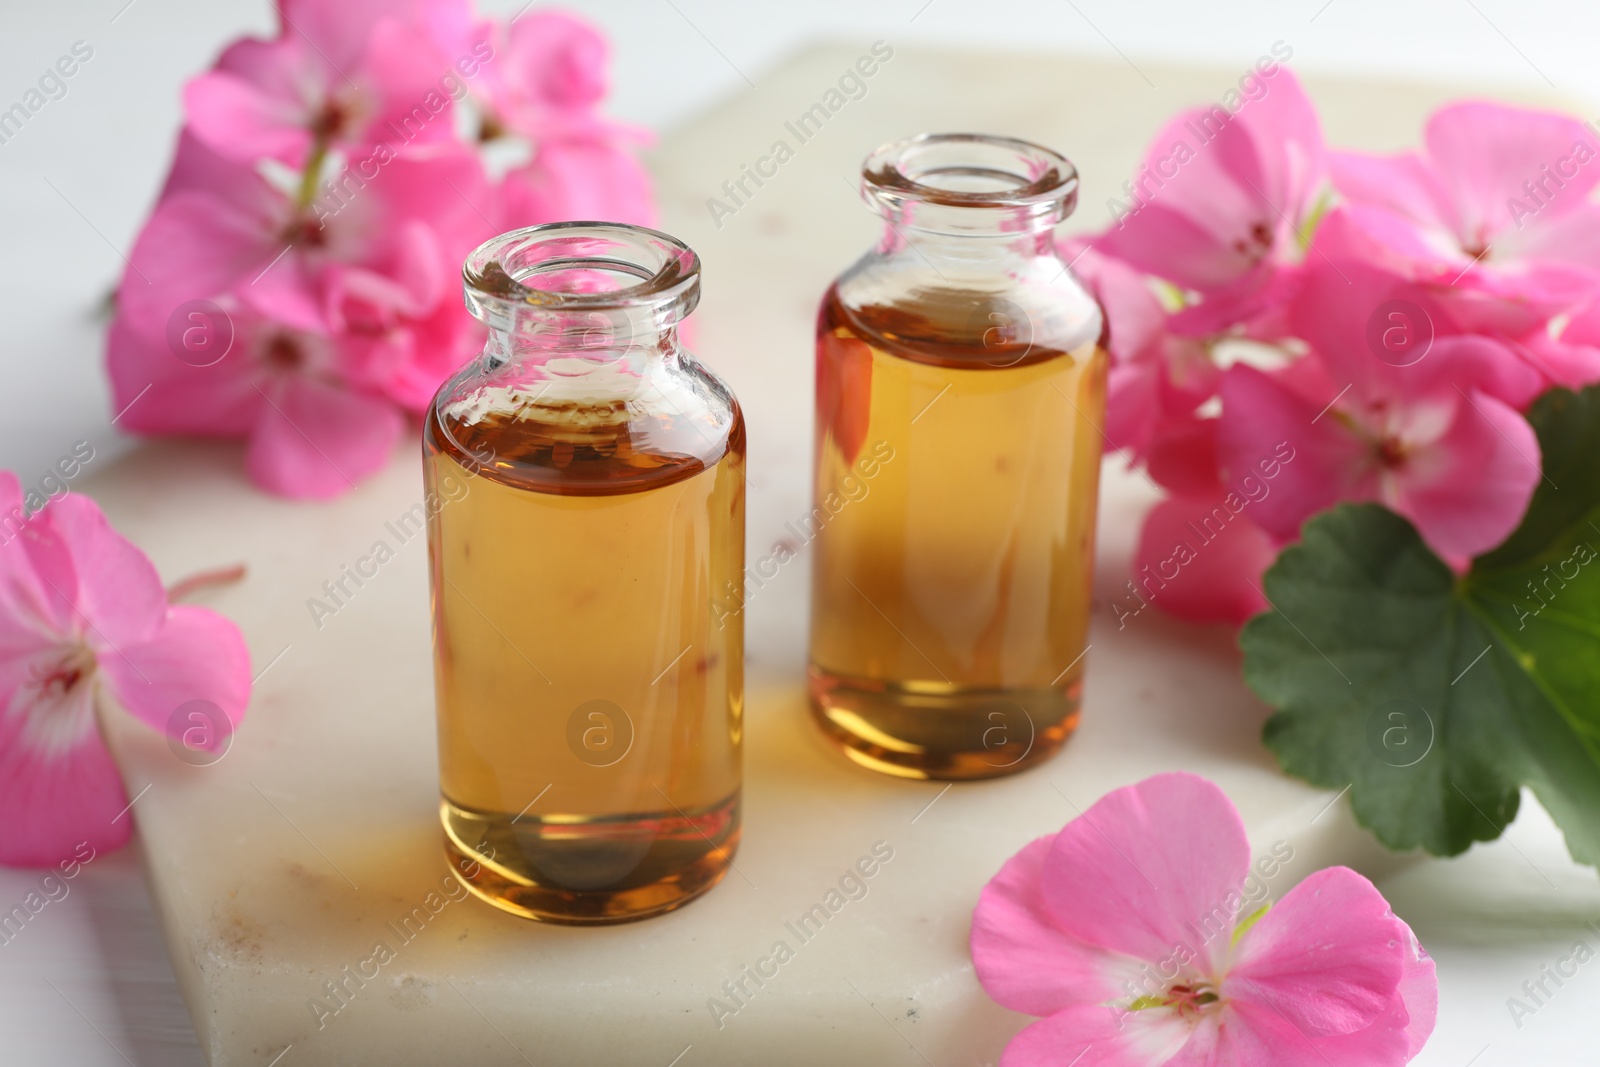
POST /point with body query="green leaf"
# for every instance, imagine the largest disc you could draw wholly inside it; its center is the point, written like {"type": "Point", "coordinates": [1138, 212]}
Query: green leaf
{"type": "Point", "coordinates": [1436, 699]}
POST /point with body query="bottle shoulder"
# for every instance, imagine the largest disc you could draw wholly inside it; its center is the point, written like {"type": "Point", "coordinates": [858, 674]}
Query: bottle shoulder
{"type": "Point", "coordinates": [570, 436]}
{"type": "Point", "coordinates": [975, 314]}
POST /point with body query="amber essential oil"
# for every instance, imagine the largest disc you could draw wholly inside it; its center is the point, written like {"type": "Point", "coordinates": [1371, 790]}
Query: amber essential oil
{"type": "Point", "coordinates": [589, 704]}
{"type": "Point", "coordinates": [950, 600]}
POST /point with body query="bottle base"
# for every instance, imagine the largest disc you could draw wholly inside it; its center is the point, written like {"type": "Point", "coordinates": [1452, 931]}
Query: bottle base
{"type": "Point", "coordinates": [586, 871]}
{"type": "Point", "coordinates": [939, 730]}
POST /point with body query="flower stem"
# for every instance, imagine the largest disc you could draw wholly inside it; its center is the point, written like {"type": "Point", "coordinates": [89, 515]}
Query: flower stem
{"type": "Point", "coordinates": [308, 177]}
{"type": "Point", "coordinates": [181, 589]}
{"type": "Point", "coordinates": [1318, 210]}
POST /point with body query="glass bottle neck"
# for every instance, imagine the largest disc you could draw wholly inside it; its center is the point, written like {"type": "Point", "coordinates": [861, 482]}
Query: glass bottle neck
{"type": "Point", "coordinates": [564, 341]}
{"type": "Point", "coordinates": [972, 246]}
{"type": "Point", "coordinates": [964, 198]}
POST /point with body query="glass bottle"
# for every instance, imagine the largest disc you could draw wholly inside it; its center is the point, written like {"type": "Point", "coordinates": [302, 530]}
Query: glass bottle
{"type": "Point", "coordinates": [960, 390]}
{"type": "Point", "coordinates": [585, 490]}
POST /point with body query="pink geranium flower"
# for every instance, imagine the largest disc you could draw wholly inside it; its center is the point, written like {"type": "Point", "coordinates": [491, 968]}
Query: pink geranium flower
{"type": "Point", "coordinates": [341, 74]}
{"type": "Point", "coordinates": [1157, 377]}
{"type": "Point", "coordinates": [316, 425]}
{"type": "Point", "coordinates": [547, 78]}
{"type": "Point", "coordinates": [1430, 428]}
{"type": "Point", "coordinates": [222, 229]}
{"type": "Point", "coordinates": [85, 629]}
{"type": "Point", "coordinates": [538, 97]}
{"type": "Point", "coordinates": [1498, 201]}
{"type": "Point", "coordinates": [337, 326]}
{"type": "Point", "coordinates": [550, 72]}
{"type": "Point", "coordinates": [1550, 330]}
{"type": "Point", "coordinates": [1222, 204]}
{"type": "Point", "coordinates": [1126, 931]}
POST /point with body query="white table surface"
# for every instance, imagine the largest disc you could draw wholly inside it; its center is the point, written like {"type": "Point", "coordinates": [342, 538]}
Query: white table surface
{"type": "Point", "coordinates": [88, 982]}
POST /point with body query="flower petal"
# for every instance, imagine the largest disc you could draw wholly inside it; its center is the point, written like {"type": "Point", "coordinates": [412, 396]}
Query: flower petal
{"type": "Point", "coordinates": [1182, 458]}
{"type": "Point", "coordinates": [1322, 462]}
{"type": "Point", "coordinates": [1200, 560]}
{"type": "Point", "coordinates": [1403, 186]}
{"type": "Point", "coordinates": [1260, 1037]}
{"type": "Point", "coordinates": [196, 246]}
{"type": "Point", "coordinates": [240, 120]}
{"type": "Point", "coordinates": [1216, 204]}
{"type": "Point", "coordinates": [1419, 994]}
{"type": "Point", "coordinates": [1327, 958]}
{"type": "Point", "coordinates": [1571, 237]}
{"type": "Point", "coordinates": [1469, 489]}
{"type": "Point", "coordinates": [1170, 243]}
{"type": "Point", "coordinates": [1395, 340]}
{"type": "Point", "coordinates": [157, 392]}
{"type": "Point", "coordinates": [1023, 961]}
{"type": "Point", "coordinates": [560, 59]}
{"type": "Point", "coordinates": [315, 441]}
{"type": "Point", "coordinates": [286, 290]}
{"type": "Point", "coordinates": [1135, 315]}
{"type": "Point", "coordinates": [57, 791]}
{"type": "Point", "coordinates": [445, 195]}
{"type": "Point", "coordinates": [32, 616]}
{"type": "Point", "coordinates": [1486, 152]}
{"type": "Point", "coordinates": [199, 168]}
{"type": "Point", "coordinates": [1570, 365]}
{"type": "Point", "coordinates": [1133, 407]}
{"type": "Point", "coordinates": [1288, 162]}
{"type": "Point", "coordinates": [1094, 1036]}
{"type": "Point", "coordinates": [114, 587]}
{"type": "Point", "coordinates": [1573, 358]}
{"type": "Point", "coordinates": [1149, 868]}
{"type": "Point", "coordinates": [582, 179]}
{"type": "Point", "coordinates": [197, 655]}
{"type": "Point", "coordinates": [1460, 365]}
{"type": "Point", "coordinates": [402, 71]}
{"type": "Point", "coordinates": [337, 33]}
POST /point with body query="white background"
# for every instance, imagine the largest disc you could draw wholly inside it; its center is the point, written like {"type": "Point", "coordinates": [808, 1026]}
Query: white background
{"type": "Point", "coordinates": [88, 983]}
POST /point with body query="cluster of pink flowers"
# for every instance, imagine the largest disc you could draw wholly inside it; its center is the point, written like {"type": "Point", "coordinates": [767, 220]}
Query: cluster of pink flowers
{"type": "Point", "coordinates": [298, 281]}
{"type": "Point", "coordinates": [297, 285]}
{"type": "Point", "coordinates": [1293, 327]}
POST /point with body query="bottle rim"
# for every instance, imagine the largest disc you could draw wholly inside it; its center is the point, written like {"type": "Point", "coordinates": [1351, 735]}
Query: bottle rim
{"type": "Point", "coordinates": [582, 266]}
{"type": "Point", "coordinates": [1033, 185]}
